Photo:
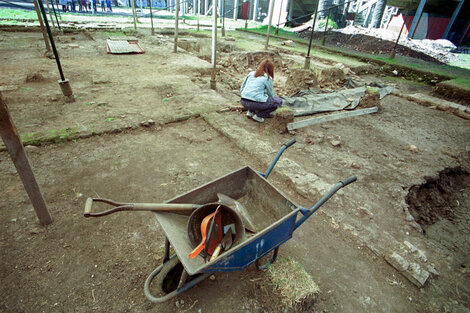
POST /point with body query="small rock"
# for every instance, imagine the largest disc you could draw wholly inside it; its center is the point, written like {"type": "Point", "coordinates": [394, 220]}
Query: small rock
{"type": "Point", "coordinates": [410, 246]}
{"type": "Point", "coordinates": [229, 38]}
{"type": "Point", "coordinates": [177, 303]}
{"type": "Point", "coordinates": [395, 72]}
{"type": "Point", "coordinates": [144, 124]}
{"type": "Point", "coordinates": [288, 43]}
{"type": "Point", "coordinates": [335, 143]}
{"type": "Point", "coordinates": [212, 277]}
{"type": "Point", "coordinates": [74, 46]}
{"type": "Point", "coordinates": [365, 212]}
{"type": "Point", "coordinates": [355, 165]}
{"type": "Point", "coordinates": [151, 122]}
{"type": "Point", "coordinates": [31, 148]}
{"type": "Point", "coordinates": [413, 148]}
{"type": "Point", "coordinates": [385, 154]}
{"type": "Point", "coordinates": [13, 220]}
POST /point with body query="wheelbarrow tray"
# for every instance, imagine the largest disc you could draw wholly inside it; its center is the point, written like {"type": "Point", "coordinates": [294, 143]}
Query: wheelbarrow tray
{"type": "Point", "coordinates": [272, 213]}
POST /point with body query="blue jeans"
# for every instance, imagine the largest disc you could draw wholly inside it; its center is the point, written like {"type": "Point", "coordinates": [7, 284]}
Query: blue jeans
{"type": "Point", "coordinates": [262, 109]}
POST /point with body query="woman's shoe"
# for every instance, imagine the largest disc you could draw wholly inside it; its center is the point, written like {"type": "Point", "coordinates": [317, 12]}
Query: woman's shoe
{"type": "Point", "coordinates": [249, 113]}
{"type": "Point", "coordinates": [257, 118]}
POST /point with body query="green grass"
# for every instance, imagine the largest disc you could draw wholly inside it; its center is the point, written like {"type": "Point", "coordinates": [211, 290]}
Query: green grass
{"type": "Point", "coordinates": [264, 29]}
{"type": "Point", "coordinates": [460, 82]}
{"type": "Point", "coordinates": [53, 135]}
{"type": "Point", "coordinates": [17, 14]}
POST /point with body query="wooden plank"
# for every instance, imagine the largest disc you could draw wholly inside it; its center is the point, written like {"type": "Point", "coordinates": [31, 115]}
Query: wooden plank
{"type": "Point", "coordinates": [330, 117]}
{"type": "Point", "coordinates": [18, 156]}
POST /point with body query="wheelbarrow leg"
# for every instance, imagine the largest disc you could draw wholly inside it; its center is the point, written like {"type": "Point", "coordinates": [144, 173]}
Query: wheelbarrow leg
{"type": "Point", "coordinates": [166, 257]}
{"type": "Point", "coordinates": [183, 279]}
{"type": "Point", "coordinates": [273, 258]}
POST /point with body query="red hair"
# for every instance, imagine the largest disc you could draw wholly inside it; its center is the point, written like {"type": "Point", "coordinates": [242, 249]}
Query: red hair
{"type": "Point", "coordinates": [266, 66]}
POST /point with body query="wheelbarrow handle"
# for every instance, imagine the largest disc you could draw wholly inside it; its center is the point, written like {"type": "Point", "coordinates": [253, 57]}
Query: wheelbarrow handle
{"type": "Point", "coordinates": [323, 199]}
{"type": "Point", "coordinates": [155, 207]}
{"type": "Point", "coordinates": [284, 147]}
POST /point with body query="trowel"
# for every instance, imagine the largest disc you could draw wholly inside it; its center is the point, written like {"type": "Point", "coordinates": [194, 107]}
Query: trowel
{"type": "Point", "coordinates": [238, 207]}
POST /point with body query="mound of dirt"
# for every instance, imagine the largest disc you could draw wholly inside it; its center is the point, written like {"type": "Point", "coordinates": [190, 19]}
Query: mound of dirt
{"type": "Point", "coordinates": [370, 99]}
{"type": "Point", "coordinates": [300, 79]}
{"type": "Point", "coordinates": [34, 78]}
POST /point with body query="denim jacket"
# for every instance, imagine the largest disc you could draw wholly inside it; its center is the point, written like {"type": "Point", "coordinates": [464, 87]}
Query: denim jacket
{"type": "Point", "coordinates": [257, 88]}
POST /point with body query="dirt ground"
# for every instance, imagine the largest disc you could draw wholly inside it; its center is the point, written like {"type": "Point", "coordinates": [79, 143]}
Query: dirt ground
{"type": "Point", "coordinates": [100, 265]}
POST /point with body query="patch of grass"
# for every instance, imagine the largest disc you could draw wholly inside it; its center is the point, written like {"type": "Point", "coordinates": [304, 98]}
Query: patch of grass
{"type": "Point", "coordinates": [264, 29]}
{"type": "Point", "coordinates": [53, 135]}
{"type": "Point", "coordinates": [110, 119]}
{"type": "Point", "coordinates": [295, 286]}
{"type": "Point", "coordinates": [460, 82]}
{"type": "Point", "coordinates": [17, 14]}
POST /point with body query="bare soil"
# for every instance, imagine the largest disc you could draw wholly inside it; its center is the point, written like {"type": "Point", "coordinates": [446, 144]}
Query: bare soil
{"type": "Point", "coordinates": [100, 265]}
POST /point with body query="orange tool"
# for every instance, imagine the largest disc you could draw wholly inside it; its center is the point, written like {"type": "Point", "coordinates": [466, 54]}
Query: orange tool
{"type": "Point", "coordinates": [208, 234]}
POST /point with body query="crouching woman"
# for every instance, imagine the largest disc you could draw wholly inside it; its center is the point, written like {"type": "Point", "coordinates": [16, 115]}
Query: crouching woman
{"type": "Point", "coordinates": [257, 94]}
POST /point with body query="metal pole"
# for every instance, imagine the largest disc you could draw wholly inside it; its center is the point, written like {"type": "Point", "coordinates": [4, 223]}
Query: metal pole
{"type": "Point", "coordinates": [223, 18]}
{"type": "Point", "coordinates": [255, 8]}
{"type": "Point", "coordinates": [235, 10]}
{"type": "Point", "coordinates": [55, 13]}
{"type": "Point", "coordinates": [392, 53]}
{"type": "Point", "coordinates": [43, 30]}
{"type": "Point", "coordinates": [151, 17]}
{"type": "Point", "coordinates": [214, 44]}
{"type": "Point", "coordinates": [271, 9]}
{"type": "Point", "coordinates": [198, 12]}
{"type": "Point", "coordinates": [141, 8]}
{"type": "Point", "coordinates": [177, 7]}
{"type": "Point", "coordinates": [15, 148]}
{"type": "Point", "coordinates": [452, 19]}
{"type": "Point", "coordinates": [416, 19]}
{"type": "Point", "coordinates": [133, 13]}
{"type": "Point", "coordinates": [278, 20]}
{"type": "Point", "coordinates": [63, 83]}
{"type": "Point", "coordinates": [326, 27]}
{"type": "Point", "coordinates": [307, 58]}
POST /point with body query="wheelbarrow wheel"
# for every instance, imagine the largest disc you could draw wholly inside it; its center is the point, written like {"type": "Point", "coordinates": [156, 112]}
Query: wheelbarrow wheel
{"type": "Point", "coordinates": [170, 275]}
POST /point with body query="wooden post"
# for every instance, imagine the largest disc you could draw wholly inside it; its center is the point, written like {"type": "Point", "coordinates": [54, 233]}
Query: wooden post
{"type": "Point", "coordinates": [133, 13]}
{"type": "Point", "coordinates": [43, 29]}
{"type": "Point", "coordinates": [151, 17]}
{"type": "Point", "coordinates": [255, 8]}
{"type": "Point", "coordinates": [15, 148]}
{"type": "Point", "coordinates": [213, 85]}
{"type": "Point", "coordinates": [198, 13]}
{"type": "Point", "coordinates": [175, 48]}
{"type": "Point", "coordinates": [271, 9]}
{"type": "Point", "coordinates": [50, 14]}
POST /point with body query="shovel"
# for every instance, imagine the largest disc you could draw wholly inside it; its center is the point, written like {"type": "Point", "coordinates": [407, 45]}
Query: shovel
{"type": "Point", "coordinates": [179, 208]}
{"type": "Point", "coordinates": [238, 207]}
{"type": "Point", "coordinates": [225, 244]}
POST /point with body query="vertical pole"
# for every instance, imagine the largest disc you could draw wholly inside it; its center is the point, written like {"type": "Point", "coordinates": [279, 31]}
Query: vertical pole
{"type": "Point", "coordinates": [279, 19]}
{"type": "Point", "coordinates": [15, 148]}
{"type": "Point", "coordinates": [219, 10]}
{"type": "Point", "coordinates": [307, 58]}
{"type": "Point", "coordinates": [151, 17]}
{"type": "Point", "coordinates": [133, 13]}
{"type": "Point", "coordinates": [223, 18]}
{"type": "Point", "coordinates": [271, 9]}
{"type": "Point", "coordinates": [416, 19]}
{"type": "Point", "coordinates": [198, 12]}
{"type": "Point", "coordinates": [141, 7]}
{"type": "Point", "coordinates": [235, 10]}
{"type": "Point", "coordinates": [214, 44]}
{"type": "Point", "coordinates": [194, 7]}
{"type": "Point", "coordinates": [206, 6]}
{"type": "Point", "coordinates": [63, 83]}
{"type": "Point", "coordinates": [255, 9]}
{"type": "Point", "coordinates": [183, 7]}
{"type": "Point", "coordinates": [392, 53]}
{"type": "Point", "coordinates": [50, 14]}
{"type": "Point", "coordinates": [55, 13]}
{"type": "Point", "coordinates": [43, 30]}
{"type": "Point", "coordinates": [452, 20]}
{"type": "Point", "coordinates": [326, 27]}
{"type": "Point", "coordinates": [175, 48]}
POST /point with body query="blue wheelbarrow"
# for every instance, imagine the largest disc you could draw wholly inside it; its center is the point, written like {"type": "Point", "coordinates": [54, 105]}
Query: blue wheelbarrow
{"type": "Point", "coordinates": [272, 218]}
